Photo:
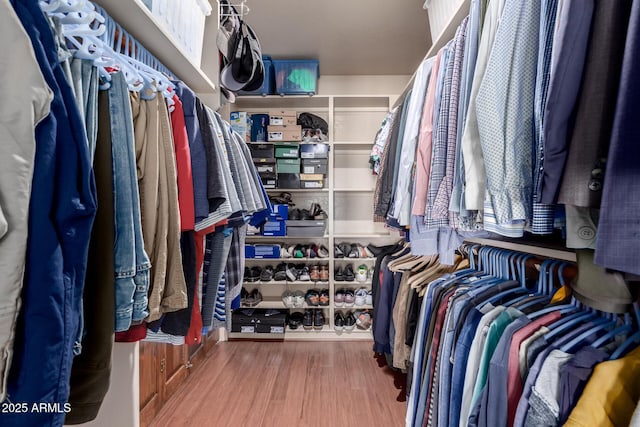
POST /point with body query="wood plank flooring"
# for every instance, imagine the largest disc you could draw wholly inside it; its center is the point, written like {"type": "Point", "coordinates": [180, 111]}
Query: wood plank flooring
{"type": "Point", "coordinates": [287, 384]}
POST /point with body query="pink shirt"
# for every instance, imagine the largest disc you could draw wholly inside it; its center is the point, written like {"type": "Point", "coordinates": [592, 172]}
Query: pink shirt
{"type": "Point", "coordinates": [423, 154]}
{"type": "Point", "coordinates": [514, 381]}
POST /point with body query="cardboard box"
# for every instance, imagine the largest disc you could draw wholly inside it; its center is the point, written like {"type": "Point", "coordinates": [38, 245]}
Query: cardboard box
{"type": "Point", "coordinates": [262, 151]}
{"type": "Point", "coordinates": [291, 133]}
{"type": "Point", "coordinates": [282, 113]}
{"type": "Point", "coordinates": [274, 228]}
{"type": "Point", "coordinates": [314, 151]}
{"type": "Point", "coordinates": [315, 166]}
{"type": "Point", "coordinates": [288, 180]}
{"type": "Point", "coordinates": [283, 120]}
{"type": "Point", "coordinates": [288, 165]}
{"type": "Point", "coordinates": [311, 177]}
{"type": "Point", "coordinates": [287, 150]}
{"type": "Point", "coordinates": [312, 184]}
{"type": "Point", "coordinates": [241, 122]}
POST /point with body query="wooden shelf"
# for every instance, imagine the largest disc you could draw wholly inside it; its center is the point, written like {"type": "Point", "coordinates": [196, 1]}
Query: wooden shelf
{"type": "Point", "coordinates": [354, 190]}
{"type": "Point", "coordinates": [285, 237]}
{"type": "Point", "coordinates": [137, 19]}
{"type": "Point", "coordinates": [532, 248]}
{"type": "Point", "coordinates": [288, 260]}
{"type": "Point", "coordinates": [355, 307]}
{"type": "Point", "coordinates": [362, 236]}
{"type": "Point", "coordinates": [255, 336]}
{"type": "Point", "coordinates": [287, 282]}
{"type": "Point", "coordinates": [347, 143]}
{"type": "Point", "coordinates": [346, 259]}
{"type": "Point", "coordinates": [297, 190]}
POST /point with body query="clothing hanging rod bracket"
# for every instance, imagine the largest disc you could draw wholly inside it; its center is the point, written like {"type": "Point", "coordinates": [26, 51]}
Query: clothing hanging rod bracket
{"type": "Point", "coordinates": [228, 10]}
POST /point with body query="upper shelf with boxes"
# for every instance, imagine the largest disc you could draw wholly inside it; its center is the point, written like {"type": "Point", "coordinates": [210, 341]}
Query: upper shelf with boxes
{"type": "Point", "coordinates": [288, 150]}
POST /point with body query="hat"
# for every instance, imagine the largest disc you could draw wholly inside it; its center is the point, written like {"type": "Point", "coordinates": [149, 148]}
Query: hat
{"type": "Point", "coordinates": [245, 69]}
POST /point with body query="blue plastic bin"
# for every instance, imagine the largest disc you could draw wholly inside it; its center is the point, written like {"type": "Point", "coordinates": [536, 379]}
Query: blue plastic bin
{"type": "Point", "coordinates": [296, 76]}
{"type": "Point", "coordinates": [269, 84]}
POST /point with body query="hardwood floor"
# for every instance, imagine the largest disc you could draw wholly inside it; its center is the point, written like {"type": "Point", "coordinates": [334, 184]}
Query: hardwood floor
{"type": "Point", "coordinates": [287, 384]}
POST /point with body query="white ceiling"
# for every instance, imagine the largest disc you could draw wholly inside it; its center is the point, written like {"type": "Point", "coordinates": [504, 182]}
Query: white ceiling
{"type": "Point", "coordinates": [376, 37]}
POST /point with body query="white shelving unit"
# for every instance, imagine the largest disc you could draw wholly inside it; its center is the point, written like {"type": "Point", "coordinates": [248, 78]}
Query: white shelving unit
{"type": "Point", "coordinates": [348, 200]}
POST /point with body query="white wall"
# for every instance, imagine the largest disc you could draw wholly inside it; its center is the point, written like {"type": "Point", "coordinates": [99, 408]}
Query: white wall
{"type": "Point", "coordinates": [440, 12]}
{"type": "Point", "coordinates": [121, 406]}
{"type": "Point", "coordinates": [365, 85]}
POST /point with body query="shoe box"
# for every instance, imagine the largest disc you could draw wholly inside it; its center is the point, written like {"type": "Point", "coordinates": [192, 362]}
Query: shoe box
{"type": "Point", "coordinates": [288, 180]}
{"type": "Point", "coordinates": [259, 123]}
{"type": "Point", "coordinates": [262, 251]}
{"type": "Point", "coordinates": [274, 228]}
{"type": "Point", "coordinates": [311, 180]}
{"type": "Point", "coordinates": [288, 165]}
{"type": "Point", "coordinates": [283, 118]}
{"type": "Point", "coordinates": [267, 170]}
{"type": "Point", "coordinates": [291, 133]}
{"type": "Point", "coordinates": [287, 150]}
{"type": "Point", "coordinates": [262, 152]}
{"type": "Point", "coordinates": [320, 166]}
{"type": "Point", "coordinates": [280, 212]}
{"type": "Point", "coordinates": [241, 122]}
{"type": "Point", "coordinates": [314, 151]}
{"type": "Point", "coordinates": [306, 228]}
{"type": "Point", "coordinates": [260, 321]}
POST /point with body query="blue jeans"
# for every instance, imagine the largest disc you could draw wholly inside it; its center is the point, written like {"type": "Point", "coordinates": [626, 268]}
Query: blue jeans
{"type": "Point", "coordinates": [131, 261]}
{"type": "Point", "coordinates": [61, 215]}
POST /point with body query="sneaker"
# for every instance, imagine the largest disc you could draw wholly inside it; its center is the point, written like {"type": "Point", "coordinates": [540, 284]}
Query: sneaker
{"type": "Point", "coordinates": [354, 251]}
{"type": "Point", "coordinates": [312, 298]}
{"type": "Point", "coordinates": [254, 298]}
{"type": "Point", "coordinates": [338, 321]}
{"type": "Point", "coordinates": [280, 273]}
{"type": "Point", "coordinates": [285, 252]}
{"type": "Point", "coordinates": [324, 273]}
{"type": "Point", "coordinates": [295, 320]}
{"type": "Point", "coordinates": [287, 299]}
{"type": "Point", "coordinates": [369, 298]}
{"type": "Point", "coordinates": [243, 296]}
{"type": "Point", "coordinates": [349, 298]}
{"type": "Point", "coordinates": [314, 273]}
{"type": "Point", "coordinates": [337, 252]}
{"type": "Point", "coordinates": [363, 320]}
{"type": "Point", "coordinates": [253, 275]}
{"type": "Point", "coordinates": [298, 251]}
{"type": "Point", "coordinates": [298, 299]}
{"type": "Point", "coordinates": [339, 298]}
{"type": "Point", "coordinates": [349, 322]}
{"type": "Point", "coordinates": [323, 252]}
{"type": "Point", "coordinates": [360, 296]}
{"type": "Point", "coordinates": [303, 274]}
{"type": "Point", "coordinates": [324, 297]}
{"type": "Point", "coordinates": [349, 276]}
{"type": "Point", "coordinates": [307, 320]}
{"type": "Point", "coordinates": [318, 320]}
{"type": "Point", "coordinates": [267, 274]}
{"type": "Point", "coordinates": [361, 273]}
{"type": "Point", "coordinates": [292, 273]}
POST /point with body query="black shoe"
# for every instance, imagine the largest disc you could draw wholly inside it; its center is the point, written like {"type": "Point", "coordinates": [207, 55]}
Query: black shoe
{"type": "Point", "coordinates": [243, 296]}
{"type": "Point", "coordinates": [337, 252]}
{"type": "Point", "coordinates": [254, 275]}
{"type": "Point", "coordinates": [295, 320]}
{"type": "Point", "coordinates": [338, 275]}
{"type": "Point", "coordinates": [294, 214]}
{"type": "Point", "coordinates": [267, 274]}
{"type": "Point", "coordinates": [349, 276]}
{"type": "Point", "coordinates": [305, 215]}
{"type": "Point", "coordinates": [349, 322]}
{"type": "Point", "coordinates": [307, 320]}
{"type": "Point", "coordinates": [338, 321]}
{"type": "Point", "coordinates": [318, 320]}
{"type": "Point", "coordinates": [280, 275]}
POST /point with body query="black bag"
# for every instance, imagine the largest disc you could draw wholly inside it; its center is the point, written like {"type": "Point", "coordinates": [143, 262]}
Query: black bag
{"type": "Point", "coordinates": [311, 121]}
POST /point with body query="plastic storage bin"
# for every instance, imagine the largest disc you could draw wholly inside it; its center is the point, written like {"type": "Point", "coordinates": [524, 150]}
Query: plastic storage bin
{"type": "Point", "coordinates": [306, 228]}
{"type": "Point", "coordinates": [268, 85]}
{"type": "Point", "coordinates": [296, 76]}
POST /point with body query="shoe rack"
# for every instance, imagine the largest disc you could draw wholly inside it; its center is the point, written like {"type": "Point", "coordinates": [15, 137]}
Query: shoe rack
{"type": "Point", "coordinates": [348, 200]}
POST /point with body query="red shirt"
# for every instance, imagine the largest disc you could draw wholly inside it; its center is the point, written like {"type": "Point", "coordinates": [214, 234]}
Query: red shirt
{"type": "Point", "coordinates": [183, 166]}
